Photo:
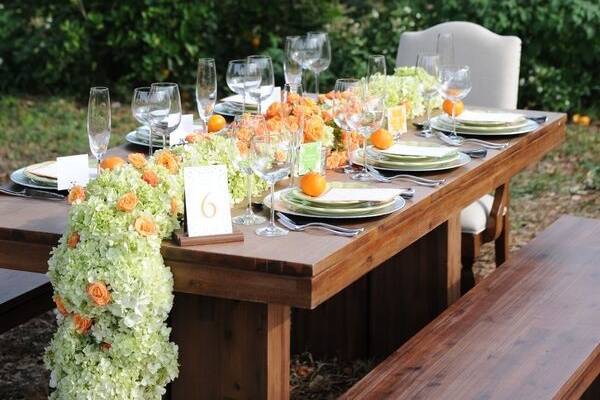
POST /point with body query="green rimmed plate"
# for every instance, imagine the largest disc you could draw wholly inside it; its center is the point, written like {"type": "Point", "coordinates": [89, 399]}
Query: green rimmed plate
{"type": "Point", "coordinates": [20, 178]}
{"type": "Point", "coordinates": [310, 208]}
{"type": "Point", "coordinates": [530, 126]}
{"type": "Point", "coordinates": [462, 159]}
{"type": "Point", "coordinates": [429, 162]}
{"type": "Point", "coordinates": [298, 194]}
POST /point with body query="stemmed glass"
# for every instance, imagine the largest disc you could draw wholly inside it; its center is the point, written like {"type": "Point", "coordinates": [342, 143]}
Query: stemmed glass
{"type": "Point", "coordinates": [430, 64]}
{"type": "Point", "coordinates": [140, 110]}
{"type": "Point", "coordinates": [240, 78]}
{"type": "Point", "coordinates": [305, 50]}
{"type": "Point", "coordinates": [445, 48]}
{"type": "Point", "coordinates": [292, 70]}
{"type": "Point", "coordinates": [170, 121]}
{"type": "Point", "coordinates": [364, 114]}
{"type": "Point", "coordinates": [324, 56]}
{"type": "Point", "coordinates": [292, 120]}
{"type": "Point", "coordinates": [271, 155]}
{"type": "Point", "coordinates": [206, 89]}
{"type": "Point", "coordinates": [455, 85]}
{"type": "Point", "coordinates": [263, 90]}
{"type": "Point", "coordinates": [343, 88]}
{"type": "Point", "coordinates": [240, 135]}
{"type": "Point", "coordinates": [98, 121]}
{"type": "Point", "coordinates": [376, 66]}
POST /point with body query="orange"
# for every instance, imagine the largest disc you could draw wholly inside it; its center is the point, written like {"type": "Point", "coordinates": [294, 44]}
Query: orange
{"type": "Point", "coordinates": [575, 118]}
{"type": "Point", "coordinates": [458, 107]}
{"type": "Point", "coordinates": [313, 184]}
{"type": "Point", "coordinates": [111, 163]}
{"type": "Point", "coordinates": [584, 120]}
{"type": "Point", "coordinates": [216, 123]}
{"type": "Point", "coordinates": [382, 139]}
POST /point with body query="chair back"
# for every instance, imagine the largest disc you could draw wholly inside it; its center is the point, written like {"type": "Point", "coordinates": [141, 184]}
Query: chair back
{"type": "Point", "coordinates": [493, 59]}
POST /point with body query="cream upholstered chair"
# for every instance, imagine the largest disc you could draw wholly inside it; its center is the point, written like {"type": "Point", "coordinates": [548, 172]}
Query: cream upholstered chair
{"type": "Point", "coordinates": [494, 62]}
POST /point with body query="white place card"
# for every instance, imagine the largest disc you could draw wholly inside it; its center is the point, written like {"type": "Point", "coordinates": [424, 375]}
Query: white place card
{"type": "Point", "coordinates": [360, 194]}
{"type": "Point", "coordinates": [186, 126]}
{"type": "Point", "coordinates": [207, 201]}
{"type": "Point", "coordinates": [71, 171]}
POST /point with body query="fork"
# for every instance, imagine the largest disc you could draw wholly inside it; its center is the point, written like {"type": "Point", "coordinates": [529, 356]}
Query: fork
{"type": "Point", "coordinates": [459, 141]}
{"type": "Point", "coordinates": [411, 178]}
{"type": "Point", "coordinates": [284, 218]}
{"type": "Point", "coordinates": [300, 228]}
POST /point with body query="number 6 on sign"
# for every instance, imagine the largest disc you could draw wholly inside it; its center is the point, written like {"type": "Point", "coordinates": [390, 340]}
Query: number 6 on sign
{"type": "Point", "coordinates": [207, 201]}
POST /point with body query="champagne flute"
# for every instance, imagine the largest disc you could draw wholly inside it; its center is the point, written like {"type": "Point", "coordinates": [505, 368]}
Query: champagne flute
{"type": "Point", "coordinates": [264, 66]}
{"type": "Point", "coordinates": [445, 48]}
{"type": "Point", "coordinates": [342, 89]}
{"type": "Point", "coordinates": [240, 135]}
{"type": "Point", "coordinates": [292, 69]}
{"type": "Point", "coordinates": [430, 63]}
{"type": "Point", "coordinates": [206, 89]}
{"type": "Point", "coordinates": [323, 60]}
{"type": "Point", "coordinates": [140, 109]}
{"type": "Point", "coordinates": [271, 160]}
{"type": "Point", "coordinates": [292, 120]}
{"type": "Point", "coordinates": [171, 120]}
{"type": "Point", "coordinates": [455, 85]}
{"type": "Point", "coordinates": [98, 121]}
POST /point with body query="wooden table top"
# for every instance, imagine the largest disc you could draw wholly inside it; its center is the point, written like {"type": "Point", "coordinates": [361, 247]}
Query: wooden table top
{"type": "Point", "coordinates": [531, 330]}
{"type": "Point", "coordinates": [294, 264]}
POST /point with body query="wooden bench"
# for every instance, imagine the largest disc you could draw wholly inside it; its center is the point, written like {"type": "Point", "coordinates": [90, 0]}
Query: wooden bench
{"type": "Point", "coordinates": [531, 330]}
{"type": "Point", "coordinates": [23, 295]}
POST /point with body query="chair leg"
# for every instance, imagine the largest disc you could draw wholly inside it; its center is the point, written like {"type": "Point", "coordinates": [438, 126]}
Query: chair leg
{"type": "Point", "coordinates": [502, 243]}
{"type": "Point", "coordinates": [470, 249]}
{"type": "Point", "coordinates": [467, 276]}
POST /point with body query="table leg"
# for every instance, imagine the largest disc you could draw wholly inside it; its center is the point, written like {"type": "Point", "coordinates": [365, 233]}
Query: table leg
{"type": "Point", "coordinates": [230, 349]}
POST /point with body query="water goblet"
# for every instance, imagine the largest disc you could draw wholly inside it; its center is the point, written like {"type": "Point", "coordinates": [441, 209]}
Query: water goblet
{"type": "Point", "coordinates": [455, 85]}
{"type": "Point", "coordinates": [292, 70]}
{"type": "Point", "coordinates": [140, 109]}
{"type": "Point", "coordinates": [170, 121]}
{"type": "Point", "coordinates": [342, 89]}
{"type": "Point", "coordinates": [264, 66]}
{"type": "Point", "coordinates": [323, 60]}
{"type": "Point", "coordinates": [429, 63]}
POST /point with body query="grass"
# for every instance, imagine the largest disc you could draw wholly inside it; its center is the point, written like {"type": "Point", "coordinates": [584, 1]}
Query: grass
{"type": "Point", "coordinates": [566, 181]}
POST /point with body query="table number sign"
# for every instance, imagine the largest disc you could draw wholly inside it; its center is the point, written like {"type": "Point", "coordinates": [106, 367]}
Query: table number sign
{"type": "Point", "coordinates": [71, 171]}
{"type": "Point", "coordinates": [396, 119]}
{"type": "Point", "coordinates": [207, 201]}
{"type": "Point", "coordinates": [309, 158]}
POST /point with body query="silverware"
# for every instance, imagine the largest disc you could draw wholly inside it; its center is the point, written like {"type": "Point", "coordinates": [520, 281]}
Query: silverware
{"type": "Point", "coordinates": [32, 193]}
{"type": "Point", "coordinates": [476, 153]}
{"type": "Point", "coordinates": [341, 229]}
{"type": "Point", "coordinates": [540, 119]}
{"type": "Point", "coordinates": [411, 178]}
{"type": "Point", "coordinates": [459, 141]}
{"type": "Point", "coordinates": [300, 228]}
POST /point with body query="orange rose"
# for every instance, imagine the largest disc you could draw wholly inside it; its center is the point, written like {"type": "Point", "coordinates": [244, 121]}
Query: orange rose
{"type": "Point", "coordinates": [72, 240]}
{"type": "Point", "coordinates": [82, 324]}
{"type": "Point", "coordinates": [127, 202]}
{"type": "Point", "coordinates": [175, 206]}
{"type": "Point", "coordinates": [314, 129]}
{"type": "Point", "coordinates": [274, 110]}
{"type": "Point", "coordinates": [336, 159]}
{"type": "Point", "coordinates": [98, 293]}
{"type": "Point", "coordinates": [327, 116]}
{"type": "Point", "coordinates": [192, 138]}
{"type": "Point", "coordinates": [76, 195]}
{"type": "Point", "coordinates": [105, 346]}
{"type": "Point", "coordinates": [167, 160]}
{"type": "Point", "coordinates": [60, 305]}
{"type": "Point", "coordinates": [145, 226]}
{"type": "Point", "coordinates": [138, 160]}
{"type": "Point", "coordinates": [150, 178]}
{"type": "Point", "coordinates": [274, 125]}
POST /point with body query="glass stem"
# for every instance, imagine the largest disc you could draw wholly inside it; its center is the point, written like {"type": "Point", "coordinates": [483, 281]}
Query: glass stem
{"type": "Point", "coordinates": [249, 183]}
{"type": "Point", "coordinates": [272, 220]}
{"type": "Point", "coordinates": [150, 141]}
{"type": "Point", "coordinates": [365, 155]}
{"type": "Point", "coordinates": [244, 102]}
{"type": "Point", "coordinates": [317, 84]}
{"type": "Point", "coordinates": [428, 108]}
{"type": "Point", "coordinates": [453, 121]}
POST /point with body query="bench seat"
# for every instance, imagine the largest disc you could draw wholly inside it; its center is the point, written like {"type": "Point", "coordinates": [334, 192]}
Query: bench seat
{"type": "Point", "coordinates": [531, 330]}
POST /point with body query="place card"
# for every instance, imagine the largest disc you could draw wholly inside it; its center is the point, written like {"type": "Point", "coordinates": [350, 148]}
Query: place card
{"type": "Point", "coordinates": [207, 202]}
{"type": "Point", "coordinates": [396, 120]}
{"type": "Point", "coordinates": [186, 126]}
{"type": "Point", "coordinates": [71, 171]}
{"type": "Point", "coordinates": [309, 158]}
{"type": "Point", "coordinates": [378, 195]}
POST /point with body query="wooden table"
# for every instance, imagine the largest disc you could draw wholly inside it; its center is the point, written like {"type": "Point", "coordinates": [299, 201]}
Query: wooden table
{"type": "Point", "coordinates": [232, 316]}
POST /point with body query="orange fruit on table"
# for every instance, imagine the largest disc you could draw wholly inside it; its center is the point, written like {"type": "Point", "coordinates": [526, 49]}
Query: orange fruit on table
{"type": "Point", "coordinates": [313, 184]}
{"type": "Point", "coordinates": [111, 163]}
{"type": "Point", "coordinates": [382, 139]}
{"type": "Point", "coordinates": [216, 123]}
{"type": "Point", "coordinates": [458, 105]}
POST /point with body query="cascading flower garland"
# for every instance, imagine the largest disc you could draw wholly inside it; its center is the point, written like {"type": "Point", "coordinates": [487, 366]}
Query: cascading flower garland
{"type": "Point", "coordinates": [112, 289]}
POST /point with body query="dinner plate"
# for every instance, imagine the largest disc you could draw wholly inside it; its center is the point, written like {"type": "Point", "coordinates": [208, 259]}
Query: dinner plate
{"type": "Point", "coordinates": [462, 159]}
{"type": "Point", "coordinates": [20, 178]}
{"type": "Point", "coordinates": [480, 117]}
{"type": "Point", "coordinates": [529, 127]}
{"type": "Point", "coordinates": [279, 205]}
{"type": "Point", "coordinates": [429, 161]}
{"type": "Point", "coordinates": [294, 203]}
{"type": "Point", "coordinates": [447, 122]}
{"type": "Point", "coordinates": [132, 137]}
{"type": "Point", "coordinates": [227, 110]}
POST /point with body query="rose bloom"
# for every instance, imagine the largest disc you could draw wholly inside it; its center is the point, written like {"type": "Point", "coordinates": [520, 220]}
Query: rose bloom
{"type": "Point", "coordinates": [314, 129]}
{"type": "Point", "coordinates": [127, 202]}
{"type": "Point", "coordinates": [274, 110]}
{"type": "Point", "coordinates": [175, 206]}
{"type": "Point", "coordinates": [192, 138]}
{"type": "Point", "coordinates": [145, 226]}
{"type": "Point", "coordinates": [105, 346]}
{"type": "Point", "coordinates": [76, 195]}
{"type": "Point", "coordinates": [138, 160]}
{"type": "Point", "coordinates": [167, 160]}
{"type": "Point", "coordinates": [72, 240]}
{"type": "Point", "coordinates": [98, 293]}
{"type": "Point", "coordinates": [60, 305]}
{"type": "Point", "coordinates": [150, 178]}
{"type": "Point", "coordinates": [82, 324]}
{"type": "Point", "coordinates": [327, 116]}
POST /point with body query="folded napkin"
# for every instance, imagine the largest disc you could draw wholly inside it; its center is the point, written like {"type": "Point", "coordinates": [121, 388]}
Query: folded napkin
{"type": "Point", "coordinates": [422, 151]}
{"type": "Point", "coordinates": [475, 116]}
{"type": "Point", "coordinates": [46, 170]}
{"type": "Point", "coordinates": [239, 99]}
{"type": "Point", "coordinates": [360, 194]}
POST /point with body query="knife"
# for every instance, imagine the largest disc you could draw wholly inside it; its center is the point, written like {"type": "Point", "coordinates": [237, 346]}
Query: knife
{"type": "Point", "coordinates": [20, 191]}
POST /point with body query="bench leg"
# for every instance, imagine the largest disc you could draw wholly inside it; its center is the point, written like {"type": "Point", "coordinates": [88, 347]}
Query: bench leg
{"type": "Point", "coordinates": [502, 243]}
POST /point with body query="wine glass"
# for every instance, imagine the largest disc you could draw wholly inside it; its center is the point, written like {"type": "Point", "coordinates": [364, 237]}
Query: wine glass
{"type": "Point", "coordinates": [206, 89]}
{"type": "Point", "coordinates": [445, 48]}
{"type": "Point", "coordinates": [264, 66]}
{"type": "Point", "coordinates": [98, 121]}
{"type": "Point", "coordinates": [430, 63]}
{"type": "Point", "coordinates": [271, 155]}
{"type": "Point", "coordinates": [140, 109]}
{"type": "Point", "coordinates": [342, 89]}
{"type": "Point", "coordinates": [305, 50]}
{"type": "Point", "coordinates": [292, 120]}
{"type": "Point", "coordinates": [364, 114]}
{"type": "Point", "coordinates": [171, 120]}
{"type": "Point", "coordinates": [455, 85]}
{"type": "Point", "coordinates": [376, 65]}
{"type": "Point", "coordinates": [292, 69]}
{"type": "Point", "coordinates": [240, 135]}
{"type": "Point", "coordinates": [323, 60]}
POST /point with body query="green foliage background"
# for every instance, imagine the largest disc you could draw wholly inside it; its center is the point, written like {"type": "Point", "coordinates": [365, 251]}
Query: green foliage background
{"type": "Point", "coordinates": [65, 46]}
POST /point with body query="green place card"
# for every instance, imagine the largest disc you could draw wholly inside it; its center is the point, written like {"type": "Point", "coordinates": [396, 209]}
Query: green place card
{"type": "Point", "coordinates": [309, 158]}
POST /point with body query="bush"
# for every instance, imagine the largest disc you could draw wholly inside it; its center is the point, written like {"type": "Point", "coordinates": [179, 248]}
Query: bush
{"type": "Point", "coordinates": [65, 47]}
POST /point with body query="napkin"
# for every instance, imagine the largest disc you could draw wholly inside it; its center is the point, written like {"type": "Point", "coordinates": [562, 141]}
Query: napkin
{"type": "Point", "coordinates": [360, 194]}
{"type": "Point", "coordinates": [239, 99]}
{"type": "Point", "coordinates": [186, 126]}
{"type": "Point", "coordinates": [474, 116]}
{"type": "Point", "coordinates": [422, 151]}
{"type": "Point", "coordinates": [46, 170]}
